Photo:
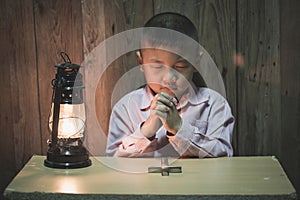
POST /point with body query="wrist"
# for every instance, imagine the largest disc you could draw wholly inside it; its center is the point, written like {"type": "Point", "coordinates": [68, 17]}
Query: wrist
{"type": "Point", "coordinates": [147, 132]}
{"type": "Point", "coordinates": [175, 130]}
{"type": "Point", "coordinates": [152, 137]}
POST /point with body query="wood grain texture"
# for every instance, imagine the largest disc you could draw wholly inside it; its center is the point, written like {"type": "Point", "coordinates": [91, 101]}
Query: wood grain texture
{"type": "Point", "coordinates": [114, 24]}
{"type": "Point", "coordinates": [290, 89]}
{"type": "Point", "coordinates": [137, 12]}
{"type": "Point", "coordinates": [109, 20]}
{"type": "Point", "coordinates": [19, 116]}
{"type": "Point", "coordinates": [93, 19]}
{"type": "Point", "coordinates": [8, 162]}
{"type": "Point", "coordinates": [258, 89]}
{"type": "Point", "coordinates": [217, 33]}
{"type": "Point", "coordinates": [58, 28]}
{"type": "Point", "coordinates": [189, 8]}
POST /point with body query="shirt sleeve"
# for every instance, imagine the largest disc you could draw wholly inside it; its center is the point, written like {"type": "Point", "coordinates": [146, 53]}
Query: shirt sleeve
{"type": "Point", "coordinates": [125, 139]}
{"type": "Point", "coordinates": [208, 137]}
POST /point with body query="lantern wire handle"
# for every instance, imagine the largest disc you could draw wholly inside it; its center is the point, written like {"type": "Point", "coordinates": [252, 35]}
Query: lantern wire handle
{"type": "Point", "coordinates": [65, 57]}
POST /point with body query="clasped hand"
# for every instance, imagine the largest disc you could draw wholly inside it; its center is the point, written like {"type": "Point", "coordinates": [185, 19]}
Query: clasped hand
{"type": "Point", "coordinates": [162, 112]}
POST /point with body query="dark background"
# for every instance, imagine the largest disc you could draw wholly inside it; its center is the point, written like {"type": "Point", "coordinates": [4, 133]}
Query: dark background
{"type": "Point", "coordinates": [263, 85]}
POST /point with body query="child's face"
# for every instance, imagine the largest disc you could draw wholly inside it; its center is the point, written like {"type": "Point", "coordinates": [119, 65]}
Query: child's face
{"type": "Point", "coordinates": [164, 69]}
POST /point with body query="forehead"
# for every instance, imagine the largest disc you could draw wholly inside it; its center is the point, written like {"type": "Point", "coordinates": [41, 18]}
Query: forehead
{"type": "Point", "coordinates": [154, 54]}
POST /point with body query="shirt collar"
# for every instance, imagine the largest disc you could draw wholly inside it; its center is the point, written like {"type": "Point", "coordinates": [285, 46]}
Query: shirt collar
{"type": "Point", "coordinates": [192, 96]}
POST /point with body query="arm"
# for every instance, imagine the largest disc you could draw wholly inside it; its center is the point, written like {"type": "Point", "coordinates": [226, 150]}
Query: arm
{"type": "Point", "coordinates": [125, 138]}
{"type": "Point", "coordinates": [132, 134]}
{"type": "Point", "coordinates": [208, 137]}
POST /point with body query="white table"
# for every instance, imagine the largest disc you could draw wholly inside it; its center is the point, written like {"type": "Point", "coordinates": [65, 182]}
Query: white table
{"type": "Point", "coordinates": [112, 178]}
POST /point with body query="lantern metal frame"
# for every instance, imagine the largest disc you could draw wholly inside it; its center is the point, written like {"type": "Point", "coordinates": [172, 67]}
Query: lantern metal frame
{"type": "Point", "coordinates": [67, 89]}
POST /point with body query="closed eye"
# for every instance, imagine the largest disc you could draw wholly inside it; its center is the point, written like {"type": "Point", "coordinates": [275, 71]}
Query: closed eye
{"type": "Point", "coordinates": [156, 65]}
{"type": "Point", "coordinates": [181, 66]}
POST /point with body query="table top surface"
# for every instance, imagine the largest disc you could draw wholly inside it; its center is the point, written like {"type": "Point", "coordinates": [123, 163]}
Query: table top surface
{"type": "Point", "coordinates": [213, 176]}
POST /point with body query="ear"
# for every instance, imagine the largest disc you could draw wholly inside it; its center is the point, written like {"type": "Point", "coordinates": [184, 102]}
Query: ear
{"type": "Point", "coordinates": [139, 57]}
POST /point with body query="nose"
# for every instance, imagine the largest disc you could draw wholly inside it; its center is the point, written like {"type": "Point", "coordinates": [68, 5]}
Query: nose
{"type": "Point", "coordinates": [170, 76]}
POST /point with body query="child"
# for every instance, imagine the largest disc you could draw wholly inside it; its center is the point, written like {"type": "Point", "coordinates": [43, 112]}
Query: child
{"type": "Point", "coordinates": [170, 116]}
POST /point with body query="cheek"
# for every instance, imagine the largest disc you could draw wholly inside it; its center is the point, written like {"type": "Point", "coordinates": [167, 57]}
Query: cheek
{"type": "Point", "coordinates": [186, 76]}
{"type": "Point", "coordinates": [151, 76]}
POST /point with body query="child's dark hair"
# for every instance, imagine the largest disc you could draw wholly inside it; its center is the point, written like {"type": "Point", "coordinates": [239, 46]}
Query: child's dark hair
{"type": "Point", "coordinates": [174, 21]}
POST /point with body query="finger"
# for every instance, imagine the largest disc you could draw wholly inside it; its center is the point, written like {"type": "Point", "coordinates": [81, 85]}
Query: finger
{"type": "Point", "coordinates": [170, 98]}
{"type": "Point", "coordinates": [162, 115]}
{"type": "Point", "coordinates": [162, 100]}
{"type": "Point", "coordinates": [160, 107]}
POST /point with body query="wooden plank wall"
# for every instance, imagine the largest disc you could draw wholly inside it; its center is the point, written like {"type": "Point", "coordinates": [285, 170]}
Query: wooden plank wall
{"type": "Point", "coordinates": [19, 106]}
{"type": "Point", "coordinates": [57, 25]}
{"type": "Point", "coordinates": [250, 41]}
{"type": "Point", "coordinates": [259, 79]}
{"type": "Point", "coordinates": [290, 89]}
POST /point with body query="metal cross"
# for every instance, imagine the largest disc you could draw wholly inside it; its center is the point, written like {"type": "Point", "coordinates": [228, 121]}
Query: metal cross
{"type": "Point", "coordinates": [165, 169]}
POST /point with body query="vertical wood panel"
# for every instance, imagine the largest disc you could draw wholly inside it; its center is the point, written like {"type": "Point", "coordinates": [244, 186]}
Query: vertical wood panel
{"type": "Point", "coordinates": [109, 19]}
{"type": "Point", "coordinates": [259, 79]}
{"type": "Point", "coordinates": [189, 8]}
{"type": "Point", "coordinates": [217, 33]}
{"type": "Point", "coordinates": [290, 89]}
{"type": "Point", "coordinates": [19, 117]}
{"type": "Point", "coordinates": [137, 12]}
{"type": "Point", "coordinates": [114, 23]}
{"type": "Point", "coordinates": [58, 28]}
{"type": "Point", "coordinates": [8, 163]}
{"type": "Point", "coordinates": [93, 26]}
